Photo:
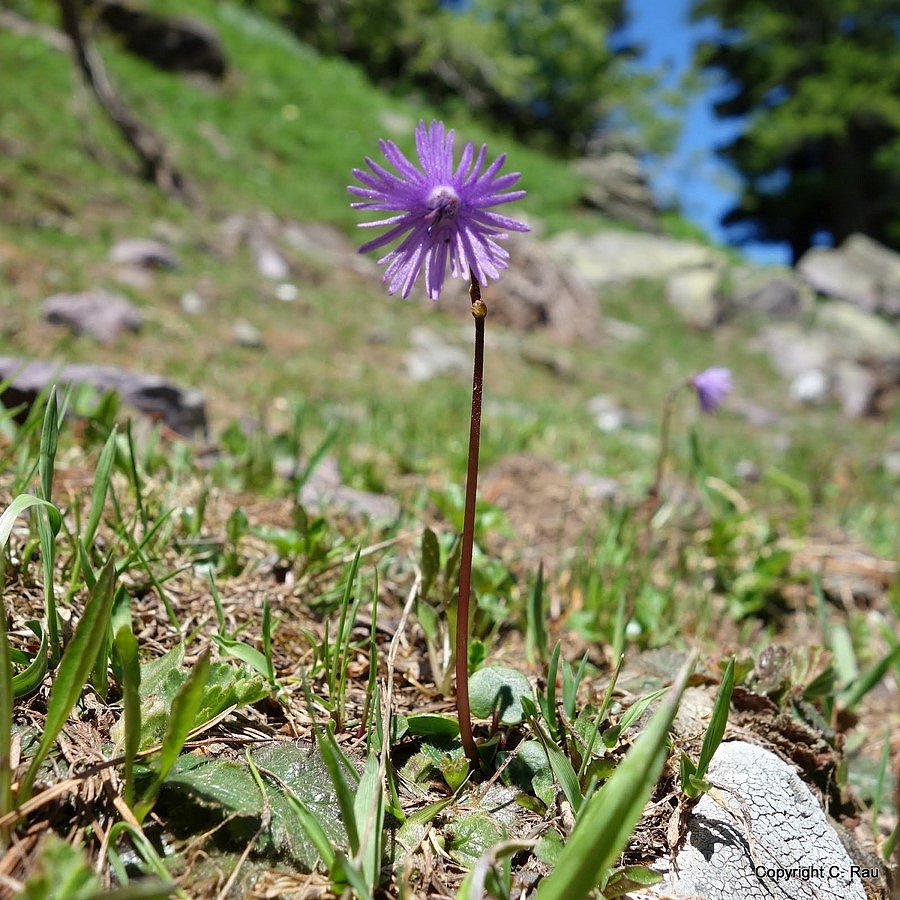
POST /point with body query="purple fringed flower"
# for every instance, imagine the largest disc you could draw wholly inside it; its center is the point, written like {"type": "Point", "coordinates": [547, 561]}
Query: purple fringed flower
{"type": "Point", "coordinates": [443, 213]}
{"type": "Point", "coordinates": [712, 386]}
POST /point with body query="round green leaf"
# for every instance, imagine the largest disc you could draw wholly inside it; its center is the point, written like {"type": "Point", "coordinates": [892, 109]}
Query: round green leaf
{"type": "Point", "coordinates": [501, 689]}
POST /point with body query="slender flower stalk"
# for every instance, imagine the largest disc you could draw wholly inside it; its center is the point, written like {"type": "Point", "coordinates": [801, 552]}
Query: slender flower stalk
{"type": "Point", "coordinates": [479, 313]}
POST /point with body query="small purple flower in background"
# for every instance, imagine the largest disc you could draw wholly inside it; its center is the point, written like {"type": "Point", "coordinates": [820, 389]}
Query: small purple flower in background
{"type": "Point", "coordinates": [444, 214]}
{"type": "Point", "coordinates": [712, 386]}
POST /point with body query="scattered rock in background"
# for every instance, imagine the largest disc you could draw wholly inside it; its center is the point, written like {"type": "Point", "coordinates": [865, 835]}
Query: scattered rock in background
{"type": "Point", "coordinates": [860, 336]}
{"type": "Point", "coordinates": [622, 331]}
{"type": "Point", "coordinates": [174, 43]}
{"type": "Point", "coordinates": [246, 334]}
{"type": "Point", "coordinates": [618, 187]}
{"type": "Point", "coordinates": [281, 249]}
{"type": "Point", "coordinates": [286, 292]}
{"type": "Point", "coordinates": [694, 295]}
{"type": "Point", "coordinates": [326, 245]}
{"type": "Point", "coordinates": [759, 415]}
{"type": "Point", "coordinates": [181, 409]}
{"type": "Point", "coordinates": [537, 292]}
{"type": "Point", "coordinates": [793, 350]}
{"type": "Point", "coordinates": [617, 257]}
{"type": "Point", "coordinates": [192, 303]}
{"type": "Point", "coordinates": [772, 292]}
{"type": "Point", "coordinates": [855, 387]}
{"type": "Point", "coordinates": [268, 259]}
{"type": "Point", "coordinates": [861, 271]}
{"type": "Point", "coordinates": [100, 314]}
{"type": "Point", "coordinates": [809, 387]}
{"type": "Point", "coordinates": [608, 415]}
{"type": "Point", "coordinates": [846, 353]}
{"type": "Point", "coordinates": [323, 491]}
{"type": "Point", "coordinates": [431, 355]}
{"type": "Point", "coordinates": [143, 252]}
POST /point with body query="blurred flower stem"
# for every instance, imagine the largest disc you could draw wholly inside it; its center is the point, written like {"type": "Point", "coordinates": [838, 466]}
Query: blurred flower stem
{"type": "Point", "coordinates": [712, 386]}
{"type": "Point", "coordinates": [479, 313]}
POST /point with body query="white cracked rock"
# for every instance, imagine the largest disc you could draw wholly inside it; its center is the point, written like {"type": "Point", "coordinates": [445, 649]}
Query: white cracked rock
{"type": "Point", "coordinates": [759, 834]}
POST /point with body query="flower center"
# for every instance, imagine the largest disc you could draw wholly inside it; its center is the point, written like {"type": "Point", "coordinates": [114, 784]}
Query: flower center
{"type": "Point", "coordinates": [443, 204]}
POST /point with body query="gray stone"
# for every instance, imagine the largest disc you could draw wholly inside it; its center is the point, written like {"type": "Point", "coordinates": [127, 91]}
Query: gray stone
{"type": "Point", "coordinates": [617, 257]}
{"type": "Point", "coordinates": [771, 292]}
{"type": "Point", "coordinates": [174, 43]}
{"type": "Point", "coordinates": [618, 187]}
{"type": "Point", "coordinates": [246, 334]}
{"type": "Point", "coordinates": [793, 350]}
{"type": "Point", "coordinates": [810, 387]}
{"type": "Point", "coordinates": [855, 388]}
{"type": "Point", "coordinates": [326, 245]}
{"type": "Point", "coordinates": [622, 331]}
{"type": "Point", "coordinates": [323, 491]}
{"type": "Point", "coordinates": [861, 271]}
{"type": "Point", "coordinates": [827, 271]}
{"type": "Point", "coordinates": [269, 261]}
{"type": "Point", "coordinates": [181, 409]}
{"type": "Point", "coordinates": [431, 355]}
{"type": "Point", "coordinates": [891, 463]}
{"type": "Point", "coordinates": [100, 314]}
{"type": "Point", "coordinates": [859, 335]}
{"type": "Point", "coordinates": [693, 294]}
{"type": "Point", "coordinates": [759, 834]}
{"type": "Point", "coordinates": [192, 303]}
{"type": "Point", "coordinates": [144, 253]}
{"type": "Point", "coordinates": [537, 292]}
{"type": "Point", "coordinates": [608, 415]}
{"type": "Point", "coordinates": [286, 292]}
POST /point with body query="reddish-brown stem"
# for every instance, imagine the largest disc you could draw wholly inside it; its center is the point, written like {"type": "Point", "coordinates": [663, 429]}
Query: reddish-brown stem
{"type": "Point", "coordinates": [479, 311]}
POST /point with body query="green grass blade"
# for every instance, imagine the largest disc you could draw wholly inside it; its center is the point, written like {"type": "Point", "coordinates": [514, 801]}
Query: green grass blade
{"type": "Point", "coordinates": [134, 476]}
{"type": "Point", "coordinates": [311, 825]}
{"type": "Point", "coordinates": [74, 667]}
{"type": "Point", "coordinates": [368, 808]}
{"type": "Point", "coordinates": [45, 526]}
{"type": "Point", "coordinates": [869, 678]}
{"type": "Point", "coordinates": [719, 719]}
{"type": "Point", "coordinates": [609, 817]}
{"type": "Point", "coordinates": [344, 871]}
{"type": "Point", "coordinates": [49, 444]}
{"type": "Point", "coordinates": [101, 486]}
{"type": "Point", "coordinates": [346, 601]}
{"type": "Point", "coordinates": [631, 715]}
{"type": "Point", "coordinates": [332, 757]}
{"type": "Point", "coordinates": [548, 701]}
{"type": "Point", "coordinates": [127, 648]}
{"type": "Point", "coordinates": [29, 679]}
{"type": "Point", "coordinates": [267, 642]}
{"type": "Point", "coordinates": [47, 535]}
{"type": "Point", "coordinates": [244, 652]}
{"type": "Point", "coordinates": [535, 627]}
{"type": "Point", "coordinates": [16, 508]}
{"type": "Point", "coordinates": [559, 763]}
{"type": "Point", "coordinates": [601, 714]}
{"type": "Point", "coordinates": [571, 682]}
{"type": "Point", "coordinates": [183, 717]}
